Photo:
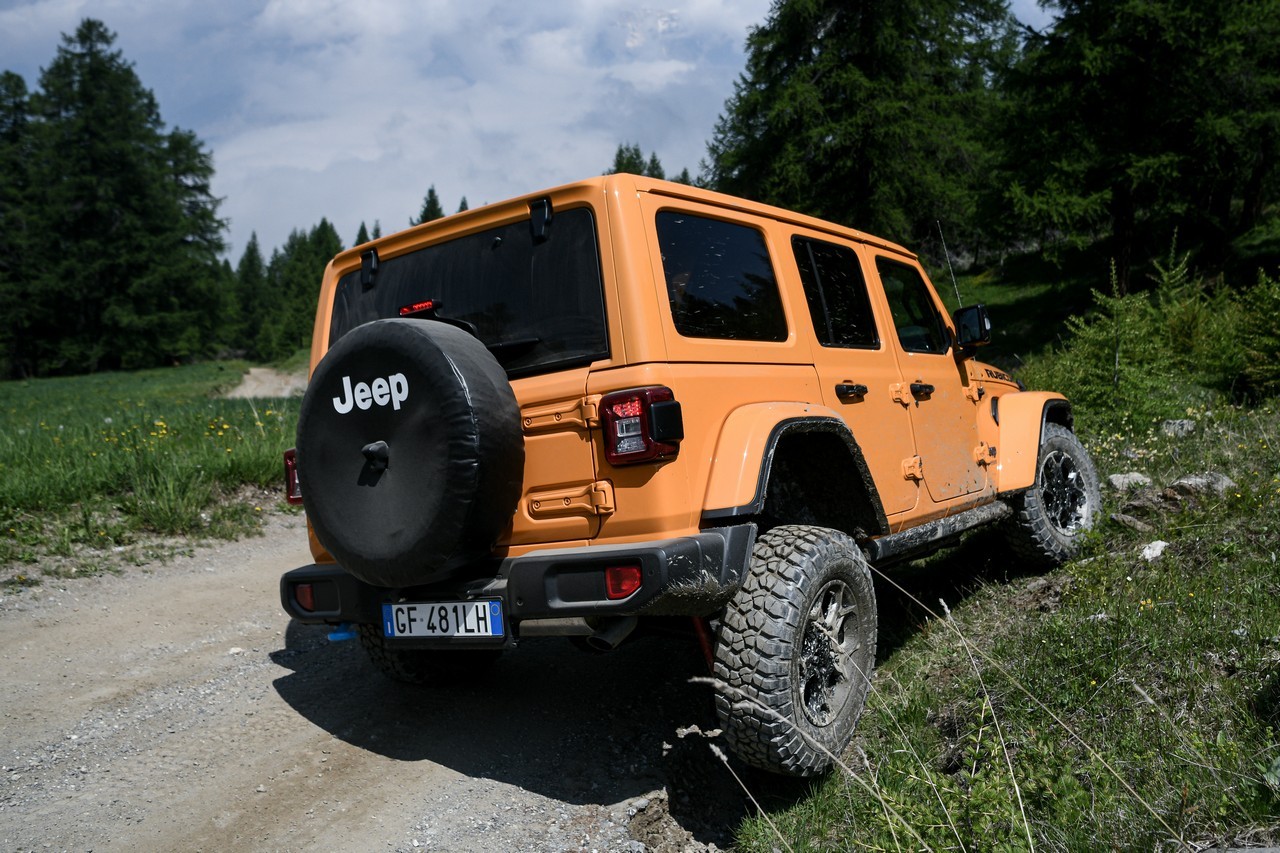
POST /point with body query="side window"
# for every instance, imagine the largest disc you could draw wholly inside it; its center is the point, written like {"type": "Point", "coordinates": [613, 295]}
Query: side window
{"type": "Point", "coordinates": [920, 326]}
{"type": "Point", "coordinates": [836, 293]}
{"type": "Point", "coordinates": [719, 279]}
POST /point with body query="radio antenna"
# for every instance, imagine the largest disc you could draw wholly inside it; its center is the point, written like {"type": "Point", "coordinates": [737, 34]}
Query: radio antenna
{"type": "Point", "coordinates": [947, 255]}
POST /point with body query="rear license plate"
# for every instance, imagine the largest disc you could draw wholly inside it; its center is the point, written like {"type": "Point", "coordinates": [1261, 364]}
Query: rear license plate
{"type": "Point", "coordinates": [443, 619]}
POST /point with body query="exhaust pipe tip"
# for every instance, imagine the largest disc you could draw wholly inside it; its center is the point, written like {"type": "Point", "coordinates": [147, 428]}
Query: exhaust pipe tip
{"type": "Point", "coordinates": [612, 633]}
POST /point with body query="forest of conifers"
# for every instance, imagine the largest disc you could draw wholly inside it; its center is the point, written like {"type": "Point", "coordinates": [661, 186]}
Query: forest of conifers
{"type": "Point", "coordinates": [1125, 125]}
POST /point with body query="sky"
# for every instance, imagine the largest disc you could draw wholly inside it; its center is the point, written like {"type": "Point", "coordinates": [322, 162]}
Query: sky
{"type": "Point", "coordinates": [350, 110]}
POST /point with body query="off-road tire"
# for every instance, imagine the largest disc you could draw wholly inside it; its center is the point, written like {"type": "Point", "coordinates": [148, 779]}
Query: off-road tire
{"type": "Point", "coordinates": [430, 667]}
{"type": "Point", "coordinates": [795, 651]}
{"type": "Point", "coordinates": [1051, 519]}
{"type": "Point", "coordinates": [403, 490]}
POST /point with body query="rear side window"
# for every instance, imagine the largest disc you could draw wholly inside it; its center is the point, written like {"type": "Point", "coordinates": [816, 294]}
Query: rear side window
{"type": "Point", "coordinates": [537, 304]}
{"type": "Point", "coordinates": [920, 327]}
{"type": "Point", "coordinates": [836, 293]}
{"type": "Point", "coordinates": [719, 279]}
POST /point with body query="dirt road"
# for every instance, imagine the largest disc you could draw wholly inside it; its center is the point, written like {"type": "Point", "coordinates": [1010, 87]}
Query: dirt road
{"type": "Point", "coordinates": [268, 383]}
{"type": "Point", "coordinates": [176, 707]}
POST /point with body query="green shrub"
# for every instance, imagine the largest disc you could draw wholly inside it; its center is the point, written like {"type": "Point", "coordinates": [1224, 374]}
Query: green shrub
{"type": "Point", "coordinates": [1116, 365]}
{"type": "Point", "coordinates": [1260, 337]}
{"type": "Point", "coordinates": [1143, 357]}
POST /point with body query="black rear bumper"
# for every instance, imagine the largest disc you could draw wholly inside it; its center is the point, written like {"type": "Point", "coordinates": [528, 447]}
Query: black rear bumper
{"type": "Point", "coordinates": [690, 575]}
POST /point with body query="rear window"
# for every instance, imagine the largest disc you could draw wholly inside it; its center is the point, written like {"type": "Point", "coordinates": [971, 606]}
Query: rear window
{"type": "Point", "coordinates": [537, 305]}
{"type": "Point", "coordinates": [719, 279]}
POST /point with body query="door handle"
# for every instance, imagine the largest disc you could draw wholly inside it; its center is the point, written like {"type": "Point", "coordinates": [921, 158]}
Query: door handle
{"type": "Point", "coordinates": [850, 391]}
{"type": "Point", "coordinates": [921, 389]}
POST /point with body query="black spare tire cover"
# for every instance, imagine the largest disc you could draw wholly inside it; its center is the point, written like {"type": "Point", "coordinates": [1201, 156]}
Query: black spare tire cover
{"type": "Point", "coordinates": [409, 450]}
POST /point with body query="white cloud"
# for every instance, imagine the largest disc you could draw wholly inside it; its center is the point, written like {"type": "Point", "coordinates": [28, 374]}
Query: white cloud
{"type": "Point", "coordinates": [1030, 13]}
{"type": "Point", "coordinates": [323, 108]}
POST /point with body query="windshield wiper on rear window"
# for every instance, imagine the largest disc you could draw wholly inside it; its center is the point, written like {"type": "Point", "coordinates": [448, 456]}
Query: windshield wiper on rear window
{"type": "Point", "coordinates": [507, 349]}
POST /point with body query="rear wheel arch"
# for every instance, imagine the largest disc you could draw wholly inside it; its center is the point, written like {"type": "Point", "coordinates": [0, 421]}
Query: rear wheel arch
{"type": "Point", "coordinates": [810, 470]}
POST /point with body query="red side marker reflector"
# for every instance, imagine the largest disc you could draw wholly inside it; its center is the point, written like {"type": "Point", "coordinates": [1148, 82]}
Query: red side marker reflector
{"type": "Point", "coordinates": [621, 581]}
{"type": "Point", "coordinates": [305, 595]}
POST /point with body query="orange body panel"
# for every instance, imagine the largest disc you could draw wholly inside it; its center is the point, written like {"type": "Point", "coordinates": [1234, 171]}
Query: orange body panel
{"type": "Point", "coordinates": [740, 448]}
{"type": "Point", "coordinates": [1021, 418]}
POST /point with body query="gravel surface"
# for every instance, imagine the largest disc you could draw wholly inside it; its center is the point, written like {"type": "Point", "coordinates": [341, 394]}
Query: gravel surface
{"type": "Point", "coordinates": [269, 383]}
{"type": "Point", "coordinates": [176, 707]}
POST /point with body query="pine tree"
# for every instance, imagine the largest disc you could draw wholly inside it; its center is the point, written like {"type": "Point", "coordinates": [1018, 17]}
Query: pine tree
{"type": "Point", "coordinates": [628, 159]}
{"type": "Point", "coordinates": [250, 288]}
{"type": "Point", "coordinates": [15, 187]}
{"type": "Point", "coordinates": [362, 236]}
{"type": "Point", "coordinates": [463, 206]}
{"type": "Point", "coordinates": [121, 266]}
{"type": "Point", "coordinates": [431, 209]}
{"type": "Point", "coordinates": [1091, 153]}
{"type": "Point", "coordinates": [175, 310]}
{"type": "Point", "coordinates": [291, 289]}
{"type": "Point", "coordinates": [875, 114]}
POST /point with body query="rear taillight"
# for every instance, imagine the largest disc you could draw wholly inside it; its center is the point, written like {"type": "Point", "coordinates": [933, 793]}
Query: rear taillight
{"type": "Point", "coordinates": [641, 425]}
{"type": "Point", "coordinates": [292, 485]}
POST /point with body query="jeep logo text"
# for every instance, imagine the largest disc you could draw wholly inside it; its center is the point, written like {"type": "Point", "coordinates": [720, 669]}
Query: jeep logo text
{"type": "Point", "coordinates": [394, 390]}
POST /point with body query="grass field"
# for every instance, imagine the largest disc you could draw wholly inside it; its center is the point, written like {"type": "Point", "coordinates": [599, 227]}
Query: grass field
{"type": "Point", "coordinates": [96, 469]}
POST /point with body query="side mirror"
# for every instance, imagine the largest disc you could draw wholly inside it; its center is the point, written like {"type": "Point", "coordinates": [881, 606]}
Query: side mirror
{"type": "Point", "coordinates": [973, 326]}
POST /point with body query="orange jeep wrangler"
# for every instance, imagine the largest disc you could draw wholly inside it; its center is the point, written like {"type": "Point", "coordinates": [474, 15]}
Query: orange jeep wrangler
{"type": "Point", "coordinates": [623, 400]}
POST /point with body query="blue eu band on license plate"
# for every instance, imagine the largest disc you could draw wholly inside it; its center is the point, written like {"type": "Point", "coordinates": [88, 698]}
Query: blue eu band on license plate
{"type": "Point", "coordinates": [442, 619]}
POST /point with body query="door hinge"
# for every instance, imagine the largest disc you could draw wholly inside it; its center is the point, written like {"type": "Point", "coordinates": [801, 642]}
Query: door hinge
{"type": "Point", "coordinates": [974, 391]}
{"type": "Point", "coordinates": [984, 454]}
{"type": "Point", "coordinates": [590, 499]}
{"type": "Point", "coordinates": [908, 393]}
{"type": "Point", "coordinates": [913, 468]}
{"type": "Point", "coordinates": [580, 413]}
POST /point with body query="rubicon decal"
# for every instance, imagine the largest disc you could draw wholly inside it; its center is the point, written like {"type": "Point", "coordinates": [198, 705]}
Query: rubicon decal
{"type": "Point", "coordinates": [394, 389]}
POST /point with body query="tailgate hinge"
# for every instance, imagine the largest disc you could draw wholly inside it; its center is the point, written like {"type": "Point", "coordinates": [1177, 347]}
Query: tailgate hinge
{"type": "Point", "coordinates": [590, 499]}
{"type": "Point", "coordinates": [584, 412]}
{"type": "Point", "coordinates": [591, 410]}
{"type": "Point", "coordinates": [913, 468]}
{"type": "Point", "coordinates": [602, 497]}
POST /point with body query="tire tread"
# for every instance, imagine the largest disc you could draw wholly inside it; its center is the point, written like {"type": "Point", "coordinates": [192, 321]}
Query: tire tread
{"type": "Point", "coordinates": [758, 634]}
